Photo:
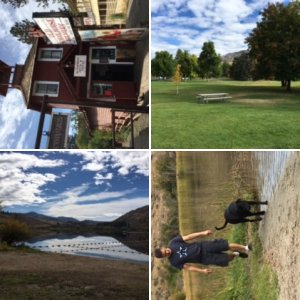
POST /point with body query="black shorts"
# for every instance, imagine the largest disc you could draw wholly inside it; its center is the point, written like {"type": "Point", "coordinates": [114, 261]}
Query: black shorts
{"type": "Point", "coordinates": [212, 253]}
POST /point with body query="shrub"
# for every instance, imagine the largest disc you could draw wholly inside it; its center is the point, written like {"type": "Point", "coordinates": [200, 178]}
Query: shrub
{"type": "Point", "coordinates": [14, 231]}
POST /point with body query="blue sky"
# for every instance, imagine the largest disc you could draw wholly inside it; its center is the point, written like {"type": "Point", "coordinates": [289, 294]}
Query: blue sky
{"type": "Point", "coordinates": [187, 24]}
{"type": "Point", "coordinates": [95, 185]}
{"type": "Point", "coordinates": [18, 125]}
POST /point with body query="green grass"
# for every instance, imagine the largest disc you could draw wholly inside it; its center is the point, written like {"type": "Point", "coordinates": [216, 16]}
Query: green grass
{"type": "Point", "coordinates": [260, 115]}
{"type": "Point", "coordinates": [251, 278]}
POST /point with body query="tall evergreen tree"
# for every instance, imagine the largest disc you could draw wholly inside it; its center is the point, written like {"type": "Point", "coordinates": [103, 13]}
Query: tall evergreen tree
{"type": "Point", "coordinates": [21, 29]}
{"type": "Point", "coordinates": [209, 61]}
{"type": "Point", "coordinates": [184, 59]}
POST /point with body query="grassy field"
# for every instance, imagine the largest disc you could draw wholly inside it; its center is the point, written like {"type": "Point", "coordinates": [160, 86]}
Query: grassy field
{"type": "Point", "coordinates": [261, 115]}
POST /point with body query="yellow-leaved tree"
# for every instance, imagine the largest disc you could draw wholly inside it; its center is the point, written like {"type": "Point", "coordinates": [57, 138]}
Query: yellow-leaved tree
{"type": "Point", "coordinates": [177, 78]}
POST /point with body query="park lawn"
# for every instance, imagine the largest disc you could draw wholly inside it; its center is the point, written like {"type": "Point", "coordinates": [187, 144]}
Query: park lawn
{"type": "Point", "coordinates": [260, 115]}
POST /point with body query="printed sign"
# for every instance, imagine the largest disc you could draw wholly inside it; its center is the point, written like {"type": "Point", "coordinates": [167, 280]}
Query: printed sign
{"type": "Point", "coordinates": [57, 29]}
{"type": "Point", "coordinates": [59, 131]}
{"type": "Point", "coordinates": [131, 34]}
{"type": "Point", "coordinates": [80, 66]}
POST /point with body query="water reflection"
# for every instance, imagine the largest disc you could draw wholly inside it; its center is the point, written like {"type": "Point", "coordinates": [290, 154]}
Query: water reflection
{"type": "Point", "coordinates": [271, 166]}
{"type": "Point", "coordinates": [96, 246]}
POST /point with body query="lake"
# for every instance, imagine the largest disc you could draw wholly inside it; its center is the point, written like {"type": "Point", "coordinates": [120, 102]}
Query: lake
{"type": "Point", "coordinates": [271, 166]}
{"type": "Point", "coordinates": [103, 247]}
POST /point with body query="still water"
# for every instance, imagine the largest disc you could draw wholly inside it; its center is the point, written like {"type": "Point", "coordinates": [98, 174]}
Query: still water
{"type": "Point", "coordinates": [97, 246]}
{"type": "Point", "coordinates": [271, 166]}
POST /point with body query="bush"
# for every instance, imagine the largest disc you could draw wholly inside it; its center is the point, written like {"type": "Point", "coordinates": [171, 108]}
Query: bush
{"type": "Point", "coordinates": [14, 231]}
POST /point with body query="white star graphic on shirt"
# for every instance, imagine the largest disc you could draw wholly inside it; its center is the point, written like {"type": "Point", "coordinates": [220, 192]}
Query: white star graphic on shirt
{"type": "Point", "coordinates": [182, 252]}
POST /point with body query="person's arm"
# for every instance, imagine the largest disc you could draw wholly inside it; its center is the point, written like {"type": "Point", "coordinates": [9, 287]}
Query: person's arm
{"type": "Point", "coordinates": [196, 269]}
{"type": "Point", "coordinates": [195, 235]}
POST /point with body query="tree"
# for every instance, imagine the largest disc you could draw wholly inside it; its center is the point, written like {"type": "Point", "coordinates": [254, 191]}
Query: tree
{"type": "Point", "coordinates": [275, 43]}
{"type": "Point", "coordinates": [21, 29]}
{"type": "Point", "coordinates": [177, 77]}
{"type": "Point", "coordinates": [241, 67]}
{"type": "Point", "coordinates": [184, 59]}
{"type": "Point", "coordinates": [226, 69]}
{"type": "Point", "coordinates": [209, 61]}
{"type": "Point", "coordinates": [163, 64]}
{"type": "Point", "coordinates": [20, 3]}
{"type": "Point", "coordinates": [14, 231]}
{"type": "Point", "coordinates": [195, 68]}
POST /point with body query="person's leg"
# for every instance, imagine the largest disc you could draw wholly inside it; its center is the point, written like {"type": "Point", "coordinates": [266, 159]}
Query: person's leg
{"type": "Point", "coordinates": [231, 256]}
{"type": "Point", "coordinates": [217, 259]}
{"type": "Point", "coordinates": [238, 247]}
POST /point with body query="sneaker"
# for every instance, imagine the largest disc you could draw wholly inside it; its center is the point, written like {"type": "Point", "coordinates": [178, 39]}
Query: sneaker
{"type": "Point", "coordinates": [243, 255]}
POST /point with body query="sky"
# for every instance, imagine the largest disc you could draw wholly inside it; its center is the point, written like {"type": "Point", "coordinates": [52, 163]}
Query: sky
{"type": "Point", "coordinates": [93, 185]}
{"type": "Point", "coordinates": [187, 24]}
{"type": "Point", "coordinates": [18, 125]}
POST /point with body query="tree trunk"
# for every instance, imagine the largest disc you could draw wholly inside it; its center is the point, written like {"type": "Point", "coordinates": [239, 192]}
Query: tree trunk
{"type": "Point", "coordinates": [288, 85]}
{"type": "Point", "coordinates": [283, 83]}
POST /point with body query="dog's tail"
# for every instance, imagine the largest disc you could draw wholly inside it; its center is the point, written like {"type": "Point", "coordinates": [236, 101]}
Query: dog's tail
{"type": "Point", "coordinates": [219, 228]}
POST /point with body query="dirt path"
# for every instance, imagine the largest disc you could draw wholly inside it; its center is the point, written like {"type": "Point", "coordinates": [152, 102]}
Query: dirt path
{"type": "Point", "coordinates": [280, 231]}
{"type": "Point", "coordinates": [38, 276]}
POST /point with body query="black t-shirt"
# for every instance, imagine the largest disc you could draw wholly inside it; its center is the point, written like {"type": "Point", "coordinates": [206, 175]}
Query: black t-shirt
{"type": "Point", "coordinates": [183, 252]}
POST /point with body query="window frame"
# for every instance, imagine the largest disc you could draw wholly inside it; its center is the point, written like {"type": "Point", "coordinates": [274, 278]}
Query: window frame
{"type": "Point", "coordinates": [40, 58]}
{"type": "Point", "coordinates": [35, 93]}
{"type": "Point", "coordinates": [97, 61]}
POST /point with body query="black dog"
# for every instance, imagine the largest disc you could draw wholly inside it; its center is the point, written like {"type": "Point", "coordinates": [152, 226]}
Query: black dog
{"type": "Point", "coordinates": [238, 210]}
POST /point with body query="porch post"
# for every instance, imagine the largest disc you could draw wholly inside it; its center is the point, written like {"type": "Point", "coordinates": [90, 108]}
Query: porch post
{"type": "Point", "coordinates": [41, 123]}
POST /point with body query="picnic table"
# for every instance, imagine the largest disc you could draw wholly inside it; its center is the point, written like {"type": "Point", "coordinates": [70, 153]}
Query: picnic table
{"type": "Point", "coordinates": [205, 98]}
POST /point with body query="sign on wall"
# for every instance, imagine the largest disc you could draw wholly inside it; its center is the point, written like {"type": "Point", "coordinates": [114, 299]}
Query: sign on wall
{"type": "Point", "coordinates": [131, 34]}
{"type": "Point", "coordinates": [80, 66]}
{"type": "Point", "coordinates": [57, 29]}
{"type": "Point", "coordinates": [59, 131]}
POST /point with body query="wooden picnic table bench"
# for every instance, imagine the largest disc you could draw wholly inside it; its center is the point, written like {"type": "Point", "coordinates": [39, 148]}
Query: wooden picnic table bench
{"type": "Point", "coordinates": [205, 98]}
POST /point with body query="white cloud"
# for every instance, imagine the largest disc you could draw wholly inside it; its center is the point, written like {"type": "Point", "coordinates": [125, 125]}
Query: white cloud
{"type": "Point", "coordinates": [19, 185]}
{"type": "Point", "coordinates": [131, 161]}
{"type": "Point", "coordinates": [98, 211]}
{"type": "Point", "coordinates": [12, 113]}
{"type": "Point", "coordinates": [225, 22]}
{"type": "Point", "coordinates": [103, 179]}
{"type": "Point", "coordinates": [123, 161]}
{"type": "Point", "coordinates": [107, 206]}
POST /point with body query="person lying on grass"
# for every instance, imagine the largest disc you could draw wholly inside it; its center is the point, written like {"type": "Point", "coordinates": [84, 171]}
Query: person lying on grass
{"type": "Point", "coordinates": [181, 254]}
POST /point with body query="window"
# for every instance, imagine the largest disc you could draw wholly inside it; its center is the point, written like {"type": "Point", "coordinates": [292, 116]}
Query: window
{"type": "Point", "coordinates": [103, 55]}
{"type": "Point", "coordinates": [102, 89]}
{"type": "Point", "coordinates": [49, 88]}
{"type": "Point", "coordinates": [50, 54]}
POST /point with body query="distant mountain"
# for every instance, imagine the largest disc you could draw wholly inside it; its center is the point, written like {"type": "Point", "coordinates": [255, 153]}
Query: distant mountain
{"type": "Point", "coordinates": [137, 219]}
{"type": "Point", "coordinates": [229, 57]}
{"type": "Point", "coordinates": [48, 218]}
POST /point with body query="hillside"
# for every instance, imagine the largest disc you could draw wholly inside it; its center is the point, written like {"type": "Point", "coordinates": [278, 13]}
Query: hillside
{"type": "Point", "coordinates": [42, 225]}
{"type": "Point", "coordinates": [136, 230]}
{"type": "Point", "coordinates": [135, 220]}
{"type": "Point", "coordinates": [229, 57]}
